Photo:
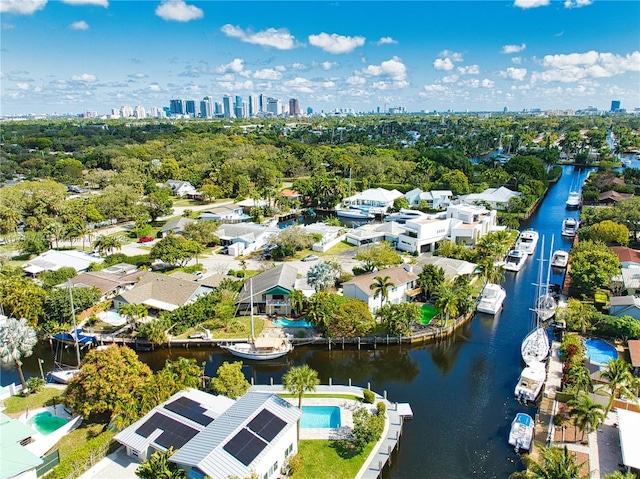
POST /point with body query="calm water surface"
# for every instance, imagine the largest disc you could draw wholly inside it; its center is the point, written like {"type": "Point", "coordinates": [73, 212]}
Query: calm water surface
{"type": "Point", "coordinates": [460, 390]}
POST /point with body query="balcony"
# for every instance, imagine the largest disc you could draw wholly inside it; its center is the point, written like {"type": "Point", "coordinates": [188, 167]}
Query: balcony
{"type": "Point", "coordinates": [278, 302]}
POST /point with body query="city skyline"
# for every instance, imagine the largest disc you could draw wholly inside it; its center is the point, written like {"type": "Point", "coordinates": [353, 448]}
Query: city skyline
{"type": "Point", "coordinates": [73, 56]}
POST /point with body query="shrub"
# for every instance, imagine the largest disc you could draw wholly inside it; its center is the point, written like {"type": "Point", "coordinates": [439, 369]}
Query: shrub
{"type": "Point", "coordinates": [382, 408]}
{"type": "Point", "coordinates": [368, 396]}
{"type": "Point", "coordinates": [83, 458]}
{"type": "Point", "coordinates": [35, 384]}
{"type": "Point", "coordinates": [295, 464]}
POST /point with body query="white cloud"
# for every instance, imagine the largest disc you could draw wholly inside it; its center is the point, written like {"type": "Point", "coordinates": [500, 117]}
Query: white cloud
{"type": "Point", "coordinates": [22, 86]}
{"type": "Point", "coordinates": [299, 66]}
{"type": "Point", "coordinates": [81, 25]}
{"type": "Point", "coordinates": [508, 49]}
{"type": "Point", "coordinates": [577, 3]}
{"type": "Point", "coordinates": [328, 65]}
{"type": "Point", "coordinates": [386, 41]}
{"type": "Point", "coordinates": [155, 87]}
{"type": "Point", "coordinates": [389, 85]}
{"type": "Point", "coordinates": [393, 69]}
{"type": "Point", "coordinates": [469, 70]}
{"type": "Point", "coordinates": [280, 38]}
{"type": "Point", "coordinates": [486, 83]}
{"type": "Point", "coordinates": [578, 66]}
{"type": "Point", "coordinates": [267, 74]}
{"type": "Point", "coordinates": [235, 66]}
{"type": "Point", "coordinates": [178, 11]}
{"type": "Point", "coordinates": [236, 86]}
{"type": "Point", "coordinates": [335, 43]}
{"type": "Point", "coordinates": [435, 88]}
{"type": "Point", "coordinates": [516, 60]}
{"type": "Point", "coordinates": [99, 3]}
{"type": "Point", "coordinates": [304, 85]}
{"type": "Point", "coordinates": [530, 3]}
{"type": "Point", "coordinates": [454, 56]}
{"type": "Point", "coordinates": [443, 64]}
{"type": "Point", "coordinates": [22, 7]}
{"type": "Point", "coordinates": [280, 68]}
{"type": "Point", "coordinates": [512, 73]}
{"type": "Point", "coordinates": [356, 80]}
{"type": "Point", "coordinates": [85, 77]}
{"type": "Point", "coordinates": [138, 75]}
{"type": "Point", "coordinates": [450, 78]}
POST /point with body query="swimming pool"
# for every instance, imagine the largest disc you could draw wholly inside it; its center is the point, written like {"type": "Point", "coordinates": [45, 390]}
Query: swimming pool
{"type": "Point", "coordinates": [45, 423]}
{"type": "Point", "coordinates": [288, 323]}
{"type": "Point", "coordinates": [600, 352]}
{"type": "Point", "coordinates": [320, 417]}
{"type": "Point", "coordinates": [113, 318]}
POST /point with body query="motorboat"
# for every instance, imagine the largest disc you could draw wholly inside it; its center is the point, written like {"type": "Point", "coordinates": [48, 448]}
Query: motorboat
{"type": "Point", "coordinates": [353, 212]}
{"type": "Point", "coordinates": [625, 162]}
{"type": "Point", "coordinates": [406, 214]}
{"type": "Point", "coordinates": [521, 434]}
{"type": "Point", "coordinates": [262, 348]}
{"type": "Point", "coordinates": [560, 259]}
{"type": "Point", "coordinates": [527, 241]}
{"type": "Point", "coordinates": [491, 299]}
{"type": "Point", "coordinates": [569, 227]}
{"type": "Point", "coordinates": [530, 383]}
{"type": "Point", "coordinates": [515, 260]}
{"type": "Point", "coordinates": [574, 200]}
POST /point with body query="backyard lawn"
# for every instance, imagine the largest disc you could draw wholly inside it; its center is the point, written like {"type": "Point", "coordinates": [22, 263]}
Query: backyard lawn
{"type": "Point", "coordinates": [16, 404]}
{"type": "Point", "coordinates": [329, 460]}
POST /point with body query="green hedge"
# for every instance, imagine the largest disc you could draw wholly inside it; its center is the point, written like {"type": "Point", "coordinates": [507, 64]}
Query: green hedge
{"type": "Point", "coordinates": [85, 457]}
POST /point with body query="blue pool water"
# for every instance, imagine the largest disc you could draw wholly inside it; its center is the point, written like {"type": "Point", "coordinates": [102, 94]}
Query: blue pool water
{"type": "Point", "coordinates": [288, 323]}
{"type": "Point", "coordinates": [45, 422]}
{"type": "Point", "coordinates": [320, 417]}
{"type": "Point", "coordinates": [600, 352]}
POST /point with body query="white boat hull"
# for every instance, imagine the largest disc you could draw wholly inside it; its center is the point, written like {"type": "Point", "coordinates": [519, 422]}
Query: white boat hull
{"type": "Point", "coordinates": [249, 351]}
{"type": "Point", "coordinates": [491, 299]}
{"type": "Point", "coordinates": [560, 259]}
{"type": "Point", "coordinates": [64, 376]}
{"type": "Point", "coordinates": [527, 241]}
{"type": "Point", "coordinates": [354, 214]}
{"type": "Point", "coordinates": [521, 434]}
{"type": "Point", "coordinates": [545, 307]}
{"type": "Point", "coordinates": [530, 383]}
{"type": "Point", "coordinates": [535, 346]}
{"type": "Point", "coordinates": [515, 261]}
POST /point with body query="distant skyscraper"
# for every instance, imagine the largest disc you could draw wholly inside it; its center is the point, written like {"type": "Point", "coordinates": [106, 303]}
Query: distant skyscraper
{"type": "Point", "coordinates": [309, 111]}
{"type": "Point", "coordinates": [177, 107]}
{"type": "Point", "coordinates": [262, 103]}
{"type": "Point", "coordinates": [227, 106]}
{"type": "Point", "coordinates": [253, 105]}
{"type": "Point", "coordinates": [274, 106]}
{"type": "Point", "coordinates": [139, 112]}
{"type": "Point", "coordinates": [126, 111]}
{"type": "Point", "coordinates": [191, 108]}
{"type": "Point", "coordinates": [237, 107]}
{"type": "Point", "coordinates": [218, 109]}
{"type": "Point", "coordinates": [206, 107]}
{"type": "Point", "coordinates": [615, 105]}
{"type": "Point", "coordinates": [294, 107]}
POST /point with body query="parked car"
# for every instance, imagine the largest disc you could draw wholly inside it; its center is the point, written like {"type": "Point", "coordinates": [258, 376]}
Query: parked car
{"type": "Point", "coordinates": [146, 239]}
{"type": "Point", "coordinates": [311, 257]}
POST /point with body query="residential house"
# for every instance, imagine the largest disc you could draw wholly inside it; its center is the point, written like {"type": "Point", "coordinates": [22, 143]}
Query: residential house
{"type": "Point", "coordinates": [180, 188]}
{"type": "Point", "coordinates": [329, 235]}
{"type": "Point", "coordinates": [53, 260]}
{"type": "Point", "coordinates": [629, 258]}
{"type": "Point", "coordinates": [291, 195]}
{"type": "Point", "coordinates": [175, 226]}
{"type": "Point", "coordinates": [402, 277]}
{"type": "Point", "coordinates": [495, 198]}
{"type": "Point", "coordinates": [120, 269]}
{"type": "Point", "coordinates": [631, 280]}
{"type": "Point", "coordinates": [251, 236]}
{"type": "Point", "coordinates": [371, 233]}
{"type": "Point", "coordinates": [249, 203]}
{"type": "Point", "coordinates": [16, 461]}
{"type": "Point", "coordinates": [452, 267]}
{"type": "Point", "coordinates": [612, 197]}
{"type": "Point", "coordinates": [625, 306]}
{"type": "Point", "coordinates": [162, 292]}
{"type": "Point", "coordinates": [110, 285]}
{"type": "Point", "coordinates": [374, 200]}
{"type": "Point", "coordinates": [435, 199]}
{"type": "Point", "coordinates": [634, 354]}
{"type": "Point", "coordinates": [271, 290]}
{"type": "Point", "coordinates": [630, 271]}
{"type": "Point", "coordinates": [225, 214]}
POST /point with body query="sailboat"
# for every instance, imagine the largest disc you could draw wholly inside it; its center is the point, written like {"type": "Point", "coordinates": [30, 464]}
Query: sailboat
{"type": "Point", "coordinates": [546, 304]}
{"type": "Point", "coordinates": [535, 346]}
{"type": "Point", "coordinates": [260, 349]}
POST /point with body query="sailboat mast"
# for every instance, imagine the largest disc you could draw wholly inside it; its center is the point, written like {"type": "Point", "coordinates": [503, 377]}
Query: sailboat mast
{"type": "Point", "coordinates": [546, 290]}
{"type": "Point", "coordinates": [251, 302]}
{"type": "Point", "coordinates": [540, 270]}
{"type": "Point", "coordinates": [73, 318]}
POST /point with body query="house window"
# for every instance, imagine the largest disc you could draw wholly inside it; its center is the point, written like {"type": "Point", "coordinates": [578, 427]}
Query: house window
{"type": "Point", "coordinates": [288, 451]}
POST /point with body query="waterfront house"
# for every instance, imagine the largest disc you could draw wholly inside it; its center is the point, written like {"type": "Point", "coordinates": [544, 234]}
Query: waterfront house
{"type": "Point", "coordinates": [53, 260]}
{"type": "Point", "coordinates": [175, 226]}
{"type": "Point", "coordinates": [371, 233]}
{"type": "Point", "coordinates": [629, 258]}
{"type": "Point", "coordinates": [328, 235]}
{"type": "Point", "coordinates": [109, 285]}
{"type": "Point", "coordinates": [625, 306]}
{"type": "Point", "coordinates": [471, 222]}
{"type": "Point", "coordinates": [403, 278]}
{"type": "Point", "coordinates": [271, 290]}
{"type": "Point", "coordinates": [251, 236]}
{"type": "Point", "coordinates": [375, 200]}
{"type": "Point", "coordinates": [452, 267]}
{"type": "Point", "coordinates": [225, 214]}
{"type": "Point", "coordinates": [435, 199]}
{"type": "Point", "coordinates": [612, 197]}
{"type": "Point", "coordinates": [291, 195]}
{"type": "Point", "coordinates": [495, 198]}
{"type": "Point", "coordinates": [180, 188]}
{"type": "Point", "coordinates": [16, 461]}
{"type": "Point", "coordinates": [634, 354]}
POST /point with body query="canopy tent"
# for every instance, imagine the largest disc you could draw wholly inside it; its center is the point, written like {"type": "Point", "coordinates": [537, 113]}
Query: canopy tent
{"type": "Point", "coordinates": [629, 427]}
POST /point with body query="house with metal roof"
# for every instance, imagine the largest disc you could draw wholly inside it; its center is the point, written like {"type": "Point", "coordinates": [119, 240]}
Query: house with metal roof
{"type": "Point", "coordinates": [404, 286]}
{"type": "Point", "coordinates": [15, 460]}
{"type": "Point", "coordinates": [175, 226]}
{"type": "Point", "coordinates": [435, 199]}
{"type": "Point", "coordinates": [251, 236]}
{"type": "Point", "coordinates": [625, 306]}
{"type": "Point", "coordinates": [271, 290]}
{"type": "Point", "coordinates": [225, 214]}
{"type": "Point", "coordinates": [372, 233]}
{"type": "Point", "coordinates": [110, 285]}
{"type": "Point", "coordinates": [53, 260]}
{"type": "Point", "coordinates": [496, 198]}
{"type": "Point", "coordinates": [374, 200]}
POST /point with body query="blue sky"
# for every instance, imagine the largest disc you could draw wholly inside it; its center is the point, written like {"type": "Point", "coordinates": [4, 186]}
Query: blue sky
{"type": "Point", "coordinates": [71, 56]}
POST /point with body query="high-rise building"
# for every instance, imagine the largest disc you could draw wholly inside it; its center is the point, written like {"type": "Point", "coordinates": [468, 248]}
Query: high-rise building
{"type": "Point", "coordinates": [218, 109]}
{"type": "Point", "coordinates": [191, 108]}
{"type": "Point", "coordinates": [263, 101]}
{"type": "Point", "coordinates": [274, 106]}
{"type": "Point", "coordinates": [294, 107]}
{"type": "Point", "coordinates": [139, 112]}
{"type": "Point", "coordinates": [206, 107]}
{"type": "Point", "coordinates": [227, 107]}
{"type": "Point", "coordinates": [237, 107]}
{"type": "Point", "coordinates": [126, 111]}
{"type": "Point", "coordinates": [253, 105]}
{"type": "Point", "coordinates": [177, 106]}
{"type": "Point", "coordinates": [615, 105]}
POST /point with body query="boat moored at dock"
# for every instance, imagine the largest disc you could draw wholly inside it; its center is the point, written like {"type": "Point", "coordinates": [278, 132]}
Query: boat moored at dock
{"type": "Point", "coordinates": [491, 299]}
{"type": "Point", "coordinates": [569, 227]}
{"type": "Point", "coordinates": [530, 383]}
{"type": "Point", "coordinates": [521, 434]}
{"type": "Point", "coordinates": [515, 260]}
{"type": "Point", "coordinates": [560, 259]}
{"type": "Point", "coordinates": [527, 241]}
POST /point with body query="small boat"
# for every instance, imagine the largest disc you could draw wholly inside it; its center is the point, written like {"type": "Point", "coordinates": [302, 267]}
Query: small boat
{"type": "Point", "coordinates": [574, 200]}
{"type": "Point", "coordinates": [569, 227]}
{"type": "Point", "coordinates": [535, 346]}
{"type": "Point", "coordinates": [530, 383]}
{"type": "Point", "coordinates": [625, 162]}
{"type": "Point", "coordinates": [527, 241]}
{"type": "Point", "coordinates": [64, 376]}
{"type": "Point", "coordinates": [405, 215]}
{"type": "Point", "coordinates": [560, 259]}
{"type": "Point", "coordinates": [354, 212]}
{"type": "Point", "coordinates": [491, 299]}
{"type": "Point", "coordinates": [521, 434]}
{"type": "Point", "coordinates": [515, 260]}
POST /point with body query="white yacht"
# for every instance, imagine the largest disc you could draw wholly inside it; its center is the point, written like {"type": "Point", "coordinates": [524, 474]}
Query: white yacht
{"type": "Point", "coordinates": [405, 215]}
{"type": "Point", "coordinates": [521, 434]}
{"type": "Point", "coordinates": [491, 299]}
{"type": "Point", "coordinates": [515, 260]}
{"type": "Point", "coordinates": [574, 200]}
{"type": "Point", "coordinates": [531, 381]}
{"type": "Point", "coordinates": [569, 227]}
{"type": "Point", "coordinates": [527, 241]}
{"type": "Point", "coordinates": [354, 212]}
{"type": "Point", "coordinates": [560, 259]}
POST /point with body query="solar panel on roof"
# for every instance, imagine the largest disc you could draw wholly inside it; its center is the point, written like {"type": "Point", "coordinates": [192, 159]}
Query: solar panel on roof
{"type": "Point", "coordinates": [190, 409]}
{"type": "Point", "coordinates": [173, 434]}
{"type": "Point", "coordinates": [267, 425]}
{"type": "Point", "coordinates": [245, 446]}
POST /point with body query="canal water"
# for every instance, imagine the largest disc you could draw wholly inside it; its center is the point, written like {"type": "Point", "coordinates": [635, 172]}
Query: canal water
{"type": "Point", "coordinates": [460, 390]}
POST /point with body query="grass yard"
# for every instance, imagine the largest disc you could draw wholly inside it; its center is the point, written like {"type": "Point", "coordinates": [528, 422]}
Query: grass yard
{"type": "Point", "coordinates": [244, 330]}
{"type": "Point", "coordinates": [78, 437]}
{"type": "Point", "coordinates": [328, 460]}
{"type": "Point", "coordinates": [16, 404]}
{"type": "Point", "coordinates": [340, 248]}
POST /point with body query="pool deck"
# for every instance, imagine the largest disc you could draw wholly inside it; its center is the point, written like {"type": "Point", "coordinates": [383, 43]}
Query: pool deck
{"type": "Point", "coordinates": [43, 442]}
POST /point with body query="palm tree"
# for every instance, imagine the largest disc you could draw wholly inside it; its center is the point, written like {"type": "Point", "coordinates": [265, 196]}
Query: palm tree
{"type": "Point", "coordinates": [298, 380]}
{"type": "Point", "coordinates": [586, 414]}
{"type": "Point", "coordinates": [618, 375]}
{"type": "Point", "coordinates": [158, 466]}
{"type": "Point", "coordinates": [17, 340]}
{"type": "Point", "coordinates": [108, 244]}
{"type": "Point", "coordinates": [447, 301]}
{"type": "Point", "coordinates": [134, 311]}
{"type": "Point", "coordinates": [489, 272]}
{"type": "Point", "coordinates": [297, 299]}
{"type": "Point", "coordinates": [555, 464]}
{"type": "Point", "coordinates": [380, 287]}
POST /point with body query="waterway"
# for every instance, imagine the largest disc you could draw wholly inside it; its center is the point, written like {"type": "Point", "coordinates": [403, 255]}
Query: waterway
{"type": "Point", "coordinates": [461, 389]}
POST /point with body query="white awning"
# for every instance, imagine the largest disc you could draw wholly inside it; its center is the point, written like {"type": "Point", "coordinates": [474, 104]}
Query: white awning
{"type": "Point", "coordinates": [161, 305]}
{"type": "Point", "coordinates": [629, 427]}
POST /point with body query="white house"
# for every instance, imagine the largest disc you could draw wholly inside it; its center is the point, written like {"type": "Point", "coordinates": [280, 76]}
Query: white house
{"type": "Point", "coordinates": [252, 236]}
{"type": "Point", "coordinates": [53, 260]}
{"type": "Point", "coordinates": [329, 235]}
{"type": "Point", "coordinates": [225, 214]}
{"type": "Point", "coordinates": [435, 199]}
{"type": "Point", "coordinates": [375, 233]}
{"type": "Point", "coordinates": [16, 461]}
{"type": "Point", "coordinates": [374, 200]}
{"type": "Point", "coordinates": [175, 226]}
{"type": "Point", "coordinates": [496, 198]}
{"type": "Point", "coordinates": [180, 188]}
{"type": "Point", "coordinates": [402, 277]}
{"type": "Point", "coordinates": [452, 267]}
{"type": "Point", "coordinates": [625, 306]}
